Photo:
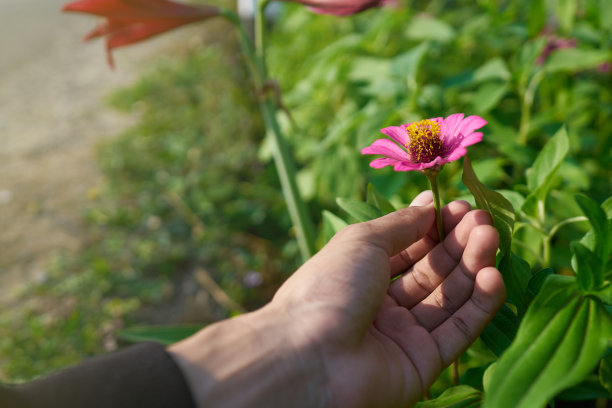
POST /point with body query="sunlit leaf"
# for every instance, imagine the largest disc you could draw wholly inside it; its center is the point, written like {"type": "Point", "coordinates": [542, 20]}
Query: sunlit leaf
{"type": "Point", "coordinates": [378, 200]}
{"type": "Point", "coordinates": [160, 334]}
{"type": "Point", "coordinates": [565, 11]}
{"type": "Point", "coordinates": [488, 96]}
{"type": "Point", "coordinates": [428, 28]}
{"type": "Point", "coordinates": [560, 341]}
{"type": "Point", "coordinates": [461, 396]}
{"type": "Point", "coordinates": [407, 65]}
{"type": "Point", "coordinates": [574, 59]}
{"type": "Point", "coordinates": [496, 204]}
{"type": "Point", "coordinates": [494, 69]}
{"type": "Point", "coordinates": [548, 160]}
{"type": "Point", "coordinates": [541, 176]}
{"type": "Point", "coordinates": [331, 225]}
{"type": "Point", "coordinates": [359, 210]}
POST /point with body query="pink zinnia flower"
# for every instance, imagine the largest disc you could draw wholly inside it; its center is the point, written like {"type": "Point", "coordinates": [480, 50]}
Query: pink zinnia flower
{"type": "Point", "coordinates": [130, 21]}
{"type": "Point", "coordinates": [427, 144]}
{"type": "Point", "coordinates": [341, 7]}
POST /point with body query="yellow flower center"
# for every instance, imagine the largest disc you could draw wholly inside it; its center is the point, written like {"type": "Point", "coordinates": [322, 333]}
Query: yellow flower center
{"type": "Point", "coordinates": [424, 143]}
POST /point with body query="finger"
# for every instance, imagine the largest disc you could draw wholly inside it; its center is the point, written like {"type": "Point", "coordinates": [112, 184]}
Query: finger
{"type": "Point", "coordinates": [424, 198]}
{"type": "Point", "coordinates": [429, 272]}
{"type": "Point", "coordinates": [452, 214]}
{"type": "Point", "coordinates": [393, 232]}
{"type": "Point", "coordinates": [457, 288]}
{"type": "Point", "coordinates": [464, 326]}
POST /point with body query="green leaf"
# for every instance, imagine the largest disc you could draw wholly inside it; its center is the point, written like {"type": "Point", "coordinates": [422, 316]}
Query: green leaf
{"type": "Point", "coordinates": [407, 65]}
{"type": "Point", "coordinates": [369, 68]}
{"type": "Point", "coordinates": [588, 390]}
{"type": "Point", "coordinates": [548, 160]}
{"type": "Point", "coordinates": [565, 12]}
{"type": "Point", "coordinates": [604, 293]}
{"type": "Point", "coordinates": [537, 17]}
{"type": "Point", "coordinates": [516, 273]}
{"type": "Point", "coordinates": [376, 199]}
{"type": "Point", "coordinates": [574, 59]}
{"type": "Point", "coordinates": [494, 69]}
{"type": "Point", "coordinates": [560, 341]}
{"type": "Point", "coordinates": [607, 207]}
{"type": "Point", "coordinates": [605, 14]}
{"type": "Point", "coordinates": [331, 225]}
{"type": "Point", "coordinates": [488, 96]}
{"type": "Point", "coordinates": [161, 334]}
{"type": "Point", "coordinates": [605, 373]}
{"type": "Point", "coordinates": [541, 176]}
{"type": "Point", "coordinates": [498, 334]}
{"type": "Point", "coordinates": [536, 282]}
{"type": "Point", "coordinates": [588, 275]}
{"type": "Point", "coordinates": [423, 28]}
{"type": "Point", "coordinates": [454, 397]}
{"type": "Point", "coordinates": [599, 221]}
{"type": "Point", "coordinates": [496, 204]}
{"type": "Point", "coordinates": [359, 210]}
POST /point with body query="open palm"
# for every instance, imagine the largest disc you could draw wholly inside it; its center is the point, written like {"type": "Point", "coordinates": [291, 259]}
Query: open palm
{"type": "Point", "coordinates": [383, 343]}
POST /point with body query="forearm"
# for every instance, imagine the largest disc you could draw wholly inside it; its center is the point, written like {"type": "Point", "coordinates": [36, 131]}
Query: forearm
{"type": "Point", "coordinates": [250, 361]}
{"type": "Point", "coordinates": [139, 376]}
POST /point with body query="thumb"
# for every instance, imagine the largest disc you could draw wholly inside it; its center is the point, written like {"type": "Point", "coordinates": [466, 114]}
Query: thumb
{"type": "Point", "coordinates": [393, 232]}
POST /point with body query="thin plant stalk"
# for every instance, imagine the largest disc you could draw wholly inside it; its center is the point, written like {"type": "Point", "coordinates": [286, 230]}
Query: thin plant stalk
{"type": "Point", "coordinates": [300, 217]}
{"type": "Point", "coordinates": [433, 182]}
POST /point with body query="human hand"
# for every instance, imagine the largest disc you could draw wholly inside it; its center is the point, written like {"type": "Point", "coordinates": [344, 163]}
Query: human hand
{"type": "Point", "coordinates": [338, 333]}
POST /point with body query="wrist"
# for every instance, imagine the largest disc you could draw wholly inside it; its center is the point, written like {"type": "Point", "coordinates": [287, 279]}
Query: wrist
{"type": "Point", "coordinates": [250, 360]}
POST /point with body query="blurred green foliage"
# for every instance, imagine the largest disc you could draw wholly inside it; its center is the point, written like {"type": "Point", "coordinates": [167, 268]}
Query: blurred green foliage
{"type": "Point", "coordinates": [184, 189]}
{"type": "Point", "coordinates": [346, 78]}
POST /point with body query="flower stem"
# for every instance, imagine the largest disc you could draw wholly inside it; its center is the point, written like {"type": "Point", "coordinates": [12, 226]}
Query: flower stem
{"type": "Point", "coordinates": [433, 182]}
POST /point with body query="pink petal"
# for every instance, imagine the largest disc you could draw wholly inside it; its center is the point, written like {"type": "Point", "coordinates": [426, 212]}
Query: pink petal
{"type": "Point", "coordinates": [397, 133]}
{"type": "Point", "coordinates": [406, 166]}
{"type": "Point", "coordinates": [471, 139]}
{"type": "Point", "coordinates": [450, 127]}
{"type": "Point", "coordinates": [387, 148]}
{"type": "Point", "coordinates": [380, 163]}
{"type": "Point", "coordinates": [438, 161]}
{"type": "Point", "coordinates": [470, 124]}
{"type": "Point", "coordinates": [458, 152]}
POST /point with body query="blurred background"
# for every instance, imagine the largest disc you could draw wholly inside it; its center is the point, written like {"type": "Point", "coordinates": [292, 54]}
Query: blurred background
{"type": "Point", "coordinates": [144, 197]}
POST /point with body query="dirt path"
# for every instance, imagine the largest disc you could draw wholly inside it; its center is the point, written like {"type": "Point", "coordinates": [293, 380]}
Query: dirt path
{"type": "Point", "coordinates": [52, 116]}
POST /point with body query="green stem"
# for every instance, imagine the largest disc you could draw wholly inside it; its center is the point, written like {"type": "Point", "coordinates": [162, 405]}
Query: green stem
{"type": "Point", "coordinates": [300, 218]}
{"type": "Point", "coordinates": [304, 229]}
{"type": "Point", "coordinates": [528, 95]}
{"type": "Point", "coordinates": [433, 182]}
{"type": "Point", "coordinates": [260, 31]}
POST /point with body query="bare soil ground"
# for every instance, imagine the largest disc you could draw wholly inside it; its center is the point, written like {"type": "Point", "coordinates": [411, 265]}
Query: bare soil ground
{"type": "Point", "coordinates": [52, 115]}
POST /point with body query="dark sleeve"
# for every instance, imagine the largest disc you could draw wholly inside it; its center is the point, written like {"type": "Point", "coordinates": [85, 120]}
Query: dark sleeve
{"type": "Point", "coordinates": [143, 375]}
